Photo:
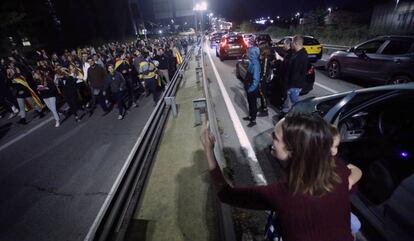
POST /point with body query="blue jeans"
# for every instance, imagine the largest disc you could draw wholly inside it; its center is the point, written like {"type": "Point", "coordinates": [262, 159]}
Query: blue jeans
{"type": "Point", "coordinates": [355, 224]}
{"type": "Point", "coordinates": [293, 96]}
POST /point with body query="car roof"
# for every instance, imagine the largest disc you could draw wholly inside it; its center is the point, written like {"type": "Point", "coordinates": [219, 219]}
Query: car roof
{"type": "Point", "coordinates": [411, 38]}
{"type": "Point", "coordinates": [406, 86]}
{"type": "Point", "coordinates": [305, 36]}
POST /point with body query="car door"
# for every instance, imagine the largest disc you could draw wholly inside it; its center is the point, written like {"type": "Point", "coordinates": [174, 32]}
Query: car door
{"type": "Point", "coordinates": [396, 58]}
{"type": "Point", "coordinates": [377, 138]}
{"type": "Point", "coordinates": [362, 65]}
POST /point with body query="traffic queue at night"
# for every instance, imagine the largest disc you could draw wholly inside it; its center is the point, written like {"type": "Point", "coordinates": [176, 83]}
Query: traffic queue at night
{"type": "Point", "coordinates": [375, 124]}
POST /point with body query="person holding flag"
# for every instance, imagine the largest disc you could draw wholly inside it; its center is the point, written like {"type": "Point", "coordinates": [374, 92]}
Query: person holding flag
{"type": "Point", "coordinates": [147, 72]}
{"type": "Point", "coordinates": [25, 93]}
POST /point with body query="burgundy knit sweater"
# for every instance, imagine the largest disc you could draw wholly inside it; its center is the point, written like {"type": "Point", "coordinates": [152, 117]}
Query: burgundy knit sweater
{"type": "Point", "coordinates": [302, 217]}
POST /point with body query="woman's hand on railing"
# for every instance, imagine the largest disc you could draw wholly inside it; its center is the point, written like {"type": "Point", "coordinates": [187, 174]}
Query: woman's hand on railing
{"type": "Point", "coordinates": [208, 140]}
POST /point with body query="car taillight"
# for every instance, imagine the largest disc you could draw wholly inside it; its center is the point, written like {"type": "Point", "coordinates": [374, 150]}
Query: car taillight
{"type": "Point", "coordinates": [311, 70]}
{"type": "Point", "coordinates": [224, 43]}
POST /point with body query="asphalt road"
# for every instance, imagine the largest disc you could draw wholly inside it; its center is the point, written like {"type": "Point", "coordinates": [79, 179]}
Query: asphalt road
{"type": "Point", "coordinates": [53, 181]}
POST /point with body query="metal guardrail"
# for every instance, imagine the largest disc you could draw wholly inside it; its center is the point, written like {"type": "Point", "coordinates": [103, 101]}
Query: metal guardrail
{"type": "Point", "coordinates": [117, 213]}
{"type": "Point", "coordinates": [338, 47]}
{"type": "Point", "coordinates": [226, 224]}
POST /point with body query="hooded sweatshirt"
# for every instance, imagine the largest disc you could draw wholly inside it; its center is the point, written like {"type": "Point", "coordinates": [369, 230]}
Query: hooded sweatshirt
{"type": "Point", "coordinates": [254, 68]}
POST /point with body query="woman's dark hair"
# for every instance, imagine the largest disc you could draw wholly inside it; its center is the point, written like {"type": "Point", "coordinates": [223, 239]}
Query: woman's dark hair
{"type": "Point", "coordinates": [311, 168]}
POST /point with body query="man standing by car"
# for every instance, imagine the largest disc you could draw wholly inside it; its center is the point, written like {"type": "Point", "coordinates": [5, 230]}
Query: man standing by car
{"type": "Point", "coordinates": [296, 73]}
{"type": "Point", "coordinates": [252, 83]}
{"type": "Point", "coordinates": [278, 88]}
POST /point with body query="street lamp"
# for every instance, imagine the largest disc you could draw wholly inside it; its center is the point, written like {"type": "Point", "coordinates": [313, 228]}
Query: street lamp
{"type": "Point", "coordinates": [329, 10]}
{"type": "Point", "coordinates": [199, 7]}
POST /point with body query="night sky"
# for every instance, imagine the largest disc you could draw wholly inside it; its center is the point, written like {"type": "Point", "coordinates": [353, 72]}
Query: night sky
{"type": "Point", "coordinates": [243, 9]}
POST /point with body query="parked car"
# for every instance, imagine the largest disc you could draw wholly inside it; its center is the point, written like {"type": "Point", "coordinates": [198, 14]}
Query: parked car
{"type": "Point", "coordinates": [231, 46]}
{"type": "Point", "coordinates": [311, 44]}
{"type": "Point", "coordinates": [241, 70]}
{"type": "Point", "coordinates": [387, 59]}
{"type": "Point", "coordinates": [377, 128]}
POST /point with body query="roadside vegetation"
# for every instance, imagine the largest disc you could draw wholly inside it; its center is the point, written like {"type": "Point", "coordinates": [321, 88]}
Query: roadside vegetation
{"type": "Point", "coordinates": [339, 27]}
{"type": "Point", "coordinates": [346, 34]}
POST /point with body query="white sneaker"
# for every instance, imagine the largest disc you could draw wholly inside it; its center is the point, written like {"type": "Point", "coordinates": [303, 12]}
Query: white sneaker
{"type": "Point", "coordinates": [120, 117]}
{"type": "Point", "coordinates": [57, 124]}
{"type": "Point", "coordinates": [15, 110]}
{"type": "Point", "coordinates": [12, 115]}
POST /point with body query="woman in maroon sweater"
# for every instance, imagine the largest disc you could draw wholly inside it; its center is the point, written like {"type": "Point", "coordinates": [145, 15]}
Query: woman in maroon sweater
{"type": "Point", "coordinates": [312, 201]}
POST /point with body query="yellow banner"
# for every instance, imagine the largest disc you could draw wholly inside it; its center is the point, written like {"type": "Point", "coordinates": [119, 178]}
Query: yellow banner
{"type": "Point", "coordinates": [21, 80]}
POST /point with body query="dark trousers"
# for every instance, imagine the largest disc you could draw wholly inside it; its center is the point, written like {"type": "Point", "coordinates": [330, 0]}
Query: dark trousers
{"type": "Point", "coordinates": [262, 95]}
{"type": "Point", "coordinates": [72, 102]}
{"type": "Point", "coordinates": [252, 101]}
{"type": "Point", "coordinates": [130, 88]}
{"type": "Point", "coordinates": [7, 101]}
{"type": "Point", "coordinates": [99, 96]}
{"type": "Point", "coordinates": [154, 88]}
{"type": "Point", "coordinates": [119, 100]}
{"type": "Point", "coordinates": [84, 92]}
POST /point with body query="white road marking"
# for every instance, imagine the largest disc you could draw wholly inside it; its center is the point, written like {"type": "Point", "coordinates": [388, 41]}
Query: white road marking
{"type": "Point", "coordinates": [326, 88]}
{"type": "Point", "coordinates": [18, 138]}
{"type": "Point", "coordinates": [241, 134]}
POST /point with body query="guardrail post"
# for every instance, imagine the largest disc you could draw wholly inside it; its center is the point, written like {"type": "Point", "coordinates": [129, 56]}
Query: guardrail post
{"type": "Point", "coordinates": [170, 101]}
{"type": "Point", "coordinates": [199, 74]}
{"type": "Point", "coordinates": [199, 106]}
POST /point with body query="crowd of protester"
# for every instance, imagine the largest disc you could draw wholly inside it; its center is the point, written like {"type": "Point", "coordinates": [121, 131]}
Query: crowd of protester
{"type": "Point", "coordinates": [72, 83]}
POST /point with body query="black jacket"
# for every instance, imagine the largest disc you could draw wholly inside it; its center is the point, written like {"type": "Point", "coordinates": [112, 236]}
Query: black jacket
{"type": "Point", "coordinates": [296, 73]}
{"type": "Point", "coordinates": [163, 60]}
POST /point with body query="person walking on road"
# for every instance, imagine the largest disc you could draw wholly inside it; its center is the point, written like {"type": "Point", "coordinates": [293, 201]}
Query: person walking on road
{"type": "Point", "coordinates": [117, 85]}
{"type": "Point", "coordinates": [25, 93]}
{"type": "Point", "coordinates": [123, 66]}
{"type": "Point", "coordinates": [312, 202]}
{"type": "Point", "coordinates": [68, 85]}
{"type": "Point", "coordinates": [7, 100]}
{"type": "Point", "coordinates": [251, 84]}
{"type": "Point", "coordinates": [163, 61]}
{"type": "Point", "coordinates": [147, 72]}
{"type": "Point", "coordinates": [48, 91]}
{"type": "Point", "coordinates": [296, 73]}
{"type": "Point", "coordinates": [97, 81]}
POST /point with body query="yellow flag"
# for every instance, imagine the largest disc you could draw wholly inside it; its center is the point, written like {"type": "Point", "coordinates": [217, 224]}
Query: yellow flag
{"type": "Point", "coordinates": [21, 80]}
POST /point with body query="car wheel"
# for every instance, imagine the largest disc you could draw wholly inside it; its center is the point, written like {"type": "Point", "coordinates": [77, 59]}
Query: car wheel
{"type": "Point", "coordinates": [221, 58]}
{"type": "Point", "coordinates": [334, 70]}
{"type": "Point", "coordinates": [400, 79]}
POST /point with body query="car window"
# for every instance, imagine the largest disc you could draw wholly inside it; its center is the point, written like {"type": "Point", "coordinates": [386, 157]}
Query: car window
{"type": "Point", "coordinates": [310, 41]}
{"type": "Point", "coordinates": [237, 39]}
{"type": "Point", "coordinates": [372, 46]}
{"type": "Point", "coordinates": [396, 47]}
{"type": "Point", "coordinates": [325, 106]}
{"type": "Point", "coordinates": [360, 99]}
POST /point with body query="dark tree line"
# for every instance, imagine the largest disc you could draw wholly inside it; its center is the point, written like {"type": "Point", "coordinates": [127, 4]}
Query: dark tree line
{"type": "Point", "coordinates": [56, 24]}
